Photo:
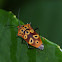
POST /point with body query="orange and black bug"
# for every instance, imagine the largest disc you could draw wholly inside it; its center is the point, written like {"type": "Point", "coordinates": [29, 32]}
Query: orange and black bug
{"type": "Point", "coordinates": [30, 36]}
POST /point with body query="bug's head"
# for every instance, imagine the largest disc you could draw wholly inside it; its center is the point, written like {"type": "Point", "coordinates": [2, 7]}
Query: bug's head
{"type": "Point", "coordinates": [26, 26]}
{"type": "Point", "coordinates": [22, 28]}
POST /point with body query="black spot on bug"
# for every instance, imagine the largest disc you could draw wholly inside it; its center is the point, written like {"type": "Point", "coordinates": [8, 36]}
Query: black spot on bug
{"type": "Point", "coordinates": [22, 34]}
{"type": "Point", "coordinates": [25, 36]}
{"type": "Point", "coordinates": [31, 40]}
{"type": "Point", "coordinates": [25, 27]}
{"type": "Point", "coordinates": [22, 30]}
{"type": "Point", "coordinates": [37, 42]}
{"type": "Point", "coordinates": [19, 33]}
{"type": "Point", "coordinates": [26, 31]}
{"type": "Point", "coordinates": [35, 36]}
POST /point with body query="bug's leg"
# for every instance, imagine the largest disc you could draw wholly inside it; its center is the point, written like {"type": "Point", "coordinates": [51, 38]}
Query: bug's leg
{"type": "Point", "coordinates": [18, 16]}
{"type": "Point", "coordinates": [43, 38]}
{"type": "Point", "coordinates": [29, 46]}
{"type": "Point", "coordinates": [18, 36]}
{"type": "Point", "coordinates": [37, 29]}
{"type": "Point", "coordinates": [10, 26]}
{"type": "Point", "coordinates": [22, 41]}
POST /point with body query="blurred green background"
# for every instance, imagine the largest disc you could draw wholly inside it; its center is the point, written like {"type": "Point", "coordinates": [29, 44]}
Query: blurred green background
{"type": "Point", "coordinates": [46, 15]}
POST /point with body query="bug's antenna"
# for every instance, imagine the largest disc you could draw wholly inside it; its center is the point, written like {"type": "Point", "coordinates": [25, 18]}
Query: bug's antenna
{"type": "Point", "coordinates": [18, 16]}
{"type": "Point", "coordinates": [30, 23]}
{"type": "Point", "coordinates": [27, 23]}
{"type": "Point", "coordinates": [12, 26]}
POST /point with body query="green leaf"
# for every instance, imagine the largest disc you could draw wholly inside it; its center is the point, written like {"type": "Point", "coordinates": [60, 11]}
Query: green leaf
{"type": "Point", "coordinates": [11, 49]}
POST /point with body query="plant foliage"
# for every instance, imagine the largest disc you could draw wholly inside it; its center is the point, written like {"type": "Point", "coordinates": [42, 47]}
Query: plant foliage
{"type": "Point", "coordinates": [12, 50]}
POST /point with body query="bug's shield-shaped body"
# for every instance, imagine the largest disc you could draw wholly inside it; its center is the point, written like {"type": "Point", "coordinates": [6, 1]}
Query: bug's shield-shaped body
{"type": "Point", "coordinates": [30, 36]}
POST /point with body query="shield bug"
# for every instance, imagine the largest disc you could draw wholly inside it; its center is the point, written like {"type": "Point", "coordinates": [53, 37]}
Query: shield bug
{"type": "Point", "coordinates": [30, 36]}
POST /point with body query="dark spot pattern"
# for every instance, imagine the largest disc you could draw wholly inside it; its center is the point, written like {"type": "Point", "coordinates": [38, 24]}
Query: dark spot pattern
{"type": "Point", "coordinates": [35, 36]}
{"type": "Point", "coordinates": [22, 30]}
{"type": "Point", "coordinates": [31, 40]}
{"type": "Point", "coordinates": [25, 27]}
